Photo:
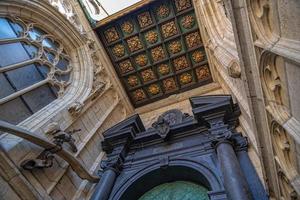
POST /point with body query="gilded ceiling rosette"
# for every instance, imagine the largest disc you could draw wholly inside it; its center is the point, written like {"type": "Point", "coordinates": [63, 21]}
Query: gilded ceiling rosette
{"type": "Point", "coordinates": [198, 56]}
{"type": "Point", "coordinates": [145, 19]}
{"type": "Point", "coordinates": [182, 5]}
{"type": "Point", "coordinates": [180, 63]}
{"type": "Point", "coordinates": [175, 46]}
{"type": "Point", "coordinates": [169, 84]}
{"type": "Point", "coordinates": [185, 78]}
{"type": "Point", "coordinates": [163, 69]}
{"type": "Point", "coordinates": [193, 40]}
{"type": "Point", "coordinates": [151, 37]}
{"type": "Point", "coordinates": [153, 89]}
{"type": "Point", "coordinates": [139, 95]}
{"type": "Point", "coordinates": [158, 53]}
{"type": "Point", "coordinates": [148, 75]}
{"type": "Point", "coordinates": [169, 29]}
{"type": "Point", "coordinates": [163, 11]}
{"type": "Point", "coordinates": [111, 35]}
{"type": "Point", "coordinates": [127, 27]}
{"type": "Point", "coordinates": [132, 81]}
{"type": "Point", "coordinates": [141, 60]}
{"type": "Point", "coordinates": [134, 44]}
{"type": "Point", "coordinates": [126, 66]}
{"type": "Point", "coordinates": [202, 72]}
{"type": "Point", "coordinates": [119, 50]}
{"type": "Point", "coordinates": [188, 21]}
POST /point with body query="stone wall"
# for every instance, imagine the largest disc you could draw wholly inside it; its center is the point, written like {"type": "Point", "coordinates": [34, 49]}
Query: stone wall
{"type": "Point", "coordinates": [93, 102]}
{"type": "Point", "coordinates": [253, 49]}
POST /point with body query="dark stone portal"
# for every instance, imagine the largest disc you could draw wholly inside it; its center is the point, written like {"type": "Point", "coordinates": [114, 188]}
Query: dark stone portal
{"type": "Point", "coordinates": [204, 149]}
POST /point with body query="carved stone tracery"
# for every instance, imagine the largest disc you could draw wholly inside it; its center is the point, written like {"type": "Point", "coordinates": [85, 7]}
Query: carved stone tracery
{"type": "Point", "coordinates": [47, 52]}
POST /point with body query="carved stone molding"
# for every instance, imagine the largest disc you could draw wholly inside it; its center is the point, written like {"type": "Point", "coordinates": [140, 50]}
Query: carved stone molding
{"type": "Point", "coordinates": [65, 8]}
{"type": "Point", "coordinates": [284, 149]}
{"type": "Point", "coordinates": [234, 70]}
{"type": "Point", "coordinates": [273, 79]}
{"type": "Point", "coordinates": [263, 20]}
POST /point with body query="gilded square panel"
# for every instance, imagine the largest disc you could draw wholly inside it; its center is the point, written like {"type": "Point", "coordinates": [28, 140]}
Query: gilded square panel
{"type": "Point", "coordinates": [185, 78]}
{"type": "Point", "coordinates": [151, 37]}
{"type": "Point", "coordinates": [193, 40]}
{"type": "Point", "coordinates": [148, 75]}
{"type": "Point", "coordinates": [163, 11]}
{"type": "Point", "coordinates": [198, 56]}
{"type": "Point", "coordinates": [182, 5]}
{"type": "Point", "coordinates": [180, 63]}
{"type": "Point", "coordinates": [188, 21]}
{"type": "Point", "coordinates": [175, 46]}
{"type": "Point", "coordinates": [111, 35]}
{"type": "Point", "coordinates": [145, 19]}
{"type": "Point", "coordinates": [169, 84]}
{"type": "Point", "coordinates": [127, 27]}
{"type": "Point", "coordinates": [119, 50]}
{"type": "Point", "coordinates": [139, 95]}
{"type": "Point", "coordinates": [126, 66]}
{"type": "Point", "coordinates": [203, 72]}
{"type": "Point", "coordinates": [134, 44]}
{"type": "Point", "coordinates": [141, 60]}
{"type": "Point", "coordinates": [169, 29]}
{"type": "Point", "coordinates": [158, 53]}
{"type": "Point", "coordinates": [163, 69]}
{"type": "Point", "coordinates": [133, 81]}
{"type": "Point", "coordinates": [154, 89]}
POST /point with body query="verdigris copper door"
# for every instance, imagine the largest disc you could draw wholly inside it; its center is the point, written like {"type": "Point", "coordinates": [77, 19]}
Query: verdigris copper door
{"type": "Point", "coordinates": [179, 190]}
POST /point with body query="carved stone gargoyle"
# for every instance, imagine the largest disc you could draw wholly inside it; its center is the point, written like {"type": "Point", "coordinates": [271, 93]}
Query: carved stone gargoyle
{"type": "Point", "coordinates": [45, 159]}
{"type": "Point", "coordinates": [162, 127]}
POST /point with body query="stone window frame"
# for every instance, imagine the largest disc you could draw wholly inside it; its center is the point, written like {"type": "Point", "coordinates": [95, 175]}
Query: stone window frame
{"type": "Point", "coordinates": [44, 45]}
{"type": "Point", "coordinates": [80, 83]}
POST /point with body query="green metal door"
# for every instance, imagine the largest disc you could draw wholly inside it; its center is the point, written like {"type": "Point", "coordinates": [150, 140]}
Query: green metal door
{"type": "Point", "coordinates": [179, 190]}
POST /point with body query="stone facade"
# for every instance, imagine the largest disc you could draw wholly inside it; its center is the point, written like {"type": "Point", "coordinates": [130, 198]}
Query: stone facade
{"type": "Point", "coordinates": [253, 48]}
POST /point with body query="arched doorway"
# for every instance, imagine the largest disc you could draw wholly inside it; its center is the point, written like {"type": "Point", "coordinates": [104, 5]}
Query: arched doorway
{"type": "Point", "coordinates": [178, 190]}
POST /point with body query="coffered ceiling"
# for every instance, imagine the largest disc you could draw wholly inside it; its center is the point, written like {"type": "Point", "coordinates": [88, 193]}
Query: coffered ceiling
{"type": "Point", "coordinates": [156, 50]}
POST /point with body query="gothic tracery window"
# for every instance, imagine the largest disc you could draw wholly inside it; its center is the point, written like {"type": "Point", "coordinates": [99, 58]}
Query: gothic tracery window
{"type": "Point", "coordinates": [34, 69]}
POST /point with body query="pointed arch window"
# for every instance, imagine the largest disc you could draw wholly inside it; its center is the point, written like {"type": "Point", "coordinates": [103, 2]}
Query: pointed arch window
{"type": "Point", "coordinates": [34, 69]}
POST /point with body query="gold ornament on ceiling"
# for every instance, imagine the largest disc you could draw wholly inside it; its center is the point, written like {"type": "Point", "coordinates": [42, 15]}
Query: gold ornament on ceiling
{"type": "Point", "coordinates": [127, 27]}
{"type": "Point", "coordinates": [119, 50]}
{"type": "Point", "coordinates": [164, 69]}
{"type": "Point", "coordinates": [126, 66]}
{"type": "Point", "coordinates": [185, 78]}
{"type": "Point", "coordinates": [145, 19]}
{"type": "Point", "coordinates": [132, 81]}
{"type": "Point", "coordinates": [158, 53]}
{"type": "Point", "coordinates": [193, 40]}
{"type": "Point", "coordinates": [111, 35]}
{"type": "Point", "coordinates": [148, 75]}
{"type": "Point", "coordinates": [169, 29]}
{"type": "Point", "coordinates": [151, 37]}
{"type": "Point", "coordinates": [198, 56]}
{"type": "Point", "coordinates": [180, 63]}
{"type": "Point", "coordinates": [141, 60]}
{"type": "Point", "coordinates": [202, 72]}
{"type": "Point", "coordinates": [134, 44]}
{"type": "Point", "coordinates": [163, 11]}
{"type": "Point", "coordinates": [169, 84]}
{"type": "Point", "coordinates": [175, 47]}
{"type": "Point", "coordinates": [182, 4]}
{"type": "Point", "coordinates": [139, 95]}
{"type": "Point", "coordinates": [154, 89]}
{"type": "Point", "coordinates": [188, 21]}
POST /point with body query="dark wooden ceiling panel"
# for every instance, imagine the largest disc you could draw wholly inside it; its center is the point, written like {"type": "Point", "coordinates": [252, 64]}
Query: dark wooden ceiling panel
{"type": "Point", "coordinates": [157, 50]}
